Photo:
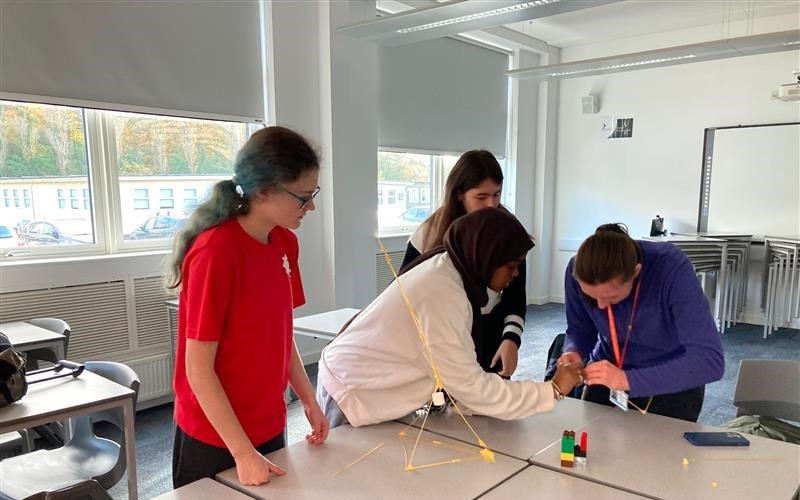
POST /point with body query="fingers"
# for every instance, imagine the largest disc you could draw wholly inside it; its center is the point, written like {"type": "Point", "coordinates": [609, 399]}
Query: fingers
{"type": "Point", "coordinates": [495, 359]}
{"type": "Point", "coordinates": [274, 469]}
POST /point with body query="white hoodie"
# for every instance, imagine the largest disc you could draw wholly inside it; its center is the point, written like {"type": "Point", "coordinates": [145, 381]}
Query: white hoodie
{"type": "Point", "coordinates": [378, 369]}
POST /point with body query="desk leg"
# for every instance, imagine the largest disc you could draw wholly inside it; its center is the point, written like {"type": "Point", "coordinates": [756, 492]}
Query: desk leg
{"type": "Point", "coordinates": [130, 449]}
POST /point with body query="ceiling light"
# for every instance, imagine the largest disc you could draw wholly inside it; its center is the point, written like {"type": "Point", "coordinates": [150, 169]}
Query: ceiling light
{"type": "Point", "coordinates": [459, 16]}
{"type": "Point", "coordinates": [619, 66]}
{"type": "Point", "coordinates": [477, 15]}
{"type": "Point", "coordinates": [704, 51]}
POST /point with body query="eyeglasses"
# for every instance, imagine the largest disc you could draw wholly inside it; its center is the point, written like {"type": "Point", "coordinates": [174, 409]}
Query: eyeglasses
{"type": "Point", "coordinates": [302, 199]}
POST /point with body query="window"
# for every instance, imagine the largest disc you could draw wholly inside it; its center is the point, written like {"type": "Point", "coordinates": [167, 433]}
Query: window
{"type": "Point", "coordinates": [52, 180]}
{"type": "Point", "coordinates": [165, 199]}
{"type": "Point", "coordinates": [189, 199]}
{"type": "Point", "coordinates": [141, 199]}
{"type": "Point", "coordinates": [45, 165]}
{"type": "Point", "coordinates": [414, 183]}
{"type": "Point", "coordinates": [398, 174]}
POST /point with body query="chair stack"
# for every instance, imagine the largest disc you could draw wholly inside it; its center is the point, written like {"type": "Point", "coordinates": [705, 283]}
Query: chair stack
{"type": "Point", "coordinates": [734, 294]}
{"type": "Point", "coordinates": [781, 284]}
{"type": "Point", "coordinates": [707, 255]}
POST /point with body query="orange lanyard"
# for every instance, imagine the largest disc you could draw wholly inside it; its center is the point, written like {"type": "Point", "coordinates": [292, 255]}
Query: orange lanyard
{"type": "Point", "coordinates": [612, 325]}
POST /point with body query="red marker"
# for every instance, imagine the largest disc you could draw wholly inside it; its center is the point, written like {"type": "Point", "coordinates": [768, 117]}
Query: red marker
{"type": "Point", "coordinates": [584, 442]}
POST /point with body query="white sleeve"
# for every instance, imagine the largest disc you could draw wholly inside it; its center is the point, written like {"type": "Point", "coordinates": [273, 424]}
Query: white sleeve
{"type": "Point", "coordinates": [449, 327]}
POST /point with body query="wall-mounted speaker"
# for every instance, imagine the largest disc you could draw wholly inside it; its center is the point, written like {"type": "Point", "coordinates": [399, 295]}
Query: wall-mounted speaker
{"type": "Point", "coordinates": [589, 104]}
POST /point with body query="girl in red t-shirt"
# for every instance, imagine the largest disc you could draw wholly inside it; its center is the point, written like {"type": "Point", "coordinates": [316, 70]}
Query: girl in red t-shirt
{"type": "Point", "coordinates": [235, 263]}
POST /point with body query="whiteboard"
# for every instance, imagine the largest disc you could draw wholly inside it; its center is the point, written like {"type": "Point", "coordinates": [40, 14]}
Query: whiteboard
{"type": "Point", "coordinates": [755, 181]}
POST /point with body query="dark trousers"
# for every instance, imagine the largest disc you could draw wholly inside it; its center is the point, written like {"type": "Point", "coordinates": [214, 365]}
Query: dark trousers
{"type": "Point", "coordinates": [193, 459]}
{"type": "Point", "coordinates": [685, 405]}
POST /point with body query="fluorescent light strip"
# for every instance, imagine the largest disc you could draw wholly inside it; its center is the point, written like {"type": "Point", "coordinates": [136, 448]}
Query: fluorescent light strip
{"type": "Point", "coordinates": [478, 15]}
{"type": "Point", "coordinates": [626, 65]}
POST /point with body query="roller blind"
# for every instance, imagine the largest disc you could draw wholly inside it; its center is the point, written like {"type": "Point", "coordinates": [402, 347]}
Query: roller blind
{"type": "Point", "coordinates": [442, 95]}
{"type": "Point", "coordinates": [189, 57]}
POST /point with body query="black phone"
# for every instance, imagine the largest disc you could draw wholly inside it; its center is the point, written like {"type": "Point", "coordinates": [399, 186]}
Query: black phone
{"type": "Point", "coordinates": [716, 439]}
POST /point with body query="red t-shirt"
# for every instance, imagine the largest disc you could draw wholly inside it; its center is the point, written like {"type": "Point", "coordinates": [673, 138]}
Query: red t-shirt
{"type": "Point", "coordinates": [240, 293]}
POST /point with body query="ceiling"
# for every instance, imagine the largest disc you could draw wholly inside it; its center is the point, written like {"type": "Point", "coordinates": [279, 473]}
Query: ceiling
{"type": "Point", "coordinates": [631, 18]}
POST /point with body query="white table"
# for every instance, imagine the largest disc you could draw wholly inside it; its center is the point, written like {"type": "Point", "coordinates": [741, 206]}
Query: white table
{"type": "Point", "coordinates": [27, 337]}
{"type": "Point", "coordinates": [62, 398]}
{"type": "Point", "coordinates": [538, 482]}
{"type": "Point", "coordinates": [324, 325]}
{"type": "Point", "coordinates": [203, 489]}
{"type": "Point", "coordinates": [312, 471]}
{"type": "Point", "coordinates": [644, 454]}
{"type": "Point", "coordinates": [522, 438]}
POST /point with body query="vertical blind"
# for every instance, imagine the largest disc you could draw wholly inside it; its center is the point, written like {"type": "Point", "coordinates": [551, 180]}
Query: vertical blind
{"type": "Point", "coordinates": [196, 58]}
{"type": "Point", "coordinates": [442, 95]}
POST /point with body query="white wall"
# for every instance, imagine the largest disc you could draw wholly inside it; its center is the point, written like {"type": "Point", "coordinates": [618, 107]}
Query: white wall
{"type": "Point", "coordinates": [658, 170]}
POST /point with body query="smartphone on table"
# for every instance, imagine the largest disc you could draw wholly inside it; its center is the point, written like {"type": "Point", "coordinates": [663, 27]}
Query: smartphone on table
{"type": "Point", "coordinates": [716, 439]}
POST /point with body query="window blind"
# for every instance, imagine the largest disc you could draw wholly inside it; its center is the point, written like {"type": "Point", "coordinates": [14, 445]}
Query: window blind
{"type": "Point", "coordinates": [187, 58]}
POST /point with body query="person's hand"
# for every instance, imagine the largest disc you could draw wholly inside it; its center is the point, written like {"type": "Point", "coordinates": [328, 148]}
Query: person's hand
{"type": "Point", "coordinates": [319, 423]}
{"type": "Point", "coordinates": [569, 357]}
{"type": "Point", "coordinates": [508, 354]}
{"type": "Point", "coordinates": [254, 469]}
{"type": "Point", "coordinates": [606, 373]}
{"type": "Point", "coordinates": [568, 375]}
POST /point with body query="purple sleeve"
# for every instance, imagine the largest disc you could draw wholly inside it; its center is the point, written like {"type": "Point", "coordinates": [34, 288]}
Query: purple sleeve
{"type": "Point", "coordinates": [702, 360]}
{"type": "Point", "coordinates": [581, 331]}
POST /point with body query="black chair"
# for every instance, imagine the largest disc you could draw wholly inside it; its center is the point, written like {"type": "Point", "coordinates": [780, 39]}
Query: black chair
{"type": "Point", "coordinates": [66, 472]}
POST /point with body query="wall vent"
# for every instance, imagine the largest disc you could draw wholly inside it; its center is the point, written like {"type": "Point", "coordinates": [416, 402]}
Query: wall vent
{"type": "Point", "coordinates": [383, 275]}
{"type": "Point", "coordinates": [96, 313]}
{"type": "Point", "coordinates": [152, 325]}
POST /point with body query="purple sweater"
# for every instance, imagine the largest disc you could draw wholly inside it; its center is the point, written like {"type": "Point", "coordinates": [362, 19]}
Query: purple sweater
{"type": "Point", "coordinates": [674, 342]}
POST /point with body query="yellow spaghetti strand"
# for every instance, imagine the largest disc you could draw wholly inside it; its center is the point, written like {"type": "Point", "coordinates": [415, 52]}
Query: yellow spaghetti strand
{"type": "Point", "coordinates": [647, 407]}
{"type": "Point", "coordinates": [362, 457]}
{"type": "Point", "coordinates": [420, 332]}
{"type": "Point", "coordinates": [444, 462]}
{"type": "Point", "coordinates": [485, 453]}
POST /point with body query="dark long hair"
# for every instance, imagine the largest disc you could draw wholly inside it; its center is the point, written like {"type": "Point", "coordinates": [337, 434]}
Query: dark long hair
{"type": "Point", "coordinates": [271, 157]}
{"type": "Point", "coordinates": [471, 169]}
{"type": "Point", "coordinates": [610, 253]}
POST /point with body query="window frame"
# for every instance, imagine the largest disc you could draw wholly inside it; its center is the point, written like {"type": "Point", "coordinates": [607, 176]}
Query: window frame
{"type": "Point", "coordinates": [103, 189]}
{"type": "Point", "coordinates": [439, 173]}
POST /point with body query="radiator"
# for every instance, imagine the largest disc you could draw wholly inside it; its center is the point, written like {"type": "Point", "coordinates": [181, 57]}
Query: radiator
{"type": "Point", "coordinates": [155, 376]}
{"type": "Point", "coordinates": [383, 274]}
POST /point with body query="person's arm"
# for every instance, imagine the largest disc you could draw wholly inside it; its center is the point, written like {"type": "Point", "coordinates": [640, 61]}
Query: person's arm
{"type": "Point", "coordinates": [448, 322]}
{"type": "Point", "coordinates": [513, 304]}
{"type": "Point", "coordinates": [702, 360]}
{"type": "Point", "coordinates": [251, 467]}
{"type": "Point", "coordinates": [581, 331]}
{"type": "Point", "coordinates": [298, 378]}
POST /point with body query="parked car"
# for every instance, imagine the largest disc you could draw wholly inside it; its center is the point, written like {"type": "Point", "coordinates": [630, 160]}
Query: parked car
{"type": "Point", "coordinates": [8, 236]}
{"type": "Point", "coordinates": [69, 232]}
{"type": "Point", "coordinates": [416, 215]}
{"type": "Point", "coordinates": [157, 226]}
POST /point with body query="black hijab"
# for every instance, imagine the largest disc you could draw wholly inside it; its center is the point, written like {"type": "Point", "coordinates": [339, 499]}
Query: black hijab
{"type": "Point", "coordinates": [478, 244]}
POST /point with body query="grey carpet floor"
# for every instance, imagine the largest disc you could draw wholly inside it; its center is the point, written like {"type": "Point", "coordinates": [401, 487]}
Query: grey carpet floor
{"type": "Point", "coordinates": [154, 427]}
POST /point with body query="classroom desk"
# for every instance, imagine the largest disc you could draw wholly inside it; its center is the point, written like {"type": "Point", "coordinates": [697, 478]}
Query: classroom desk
{"type": "Point", "coordinates": [538, 482]}
{"type": "Point", "coordinates": [522, 438]}
{"type": "Point", "coordinates": [61, 398]}
{"type": "Point", "coordinates": [203, 489]}
{"type": "Point", "coordinates": [644, 454]}
{"type": "Point", "coordinates": [312, 471]}
{"type": "Point", "coordinates": [323, 325]}
{"type": "Point", "coordinates": [27, 337]}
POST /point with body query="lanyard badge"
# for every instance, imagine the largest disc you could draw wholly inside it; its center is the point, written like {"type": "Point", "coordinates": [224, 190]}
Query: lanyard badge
{"type": "Point", "coordinates": [617, 396]}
